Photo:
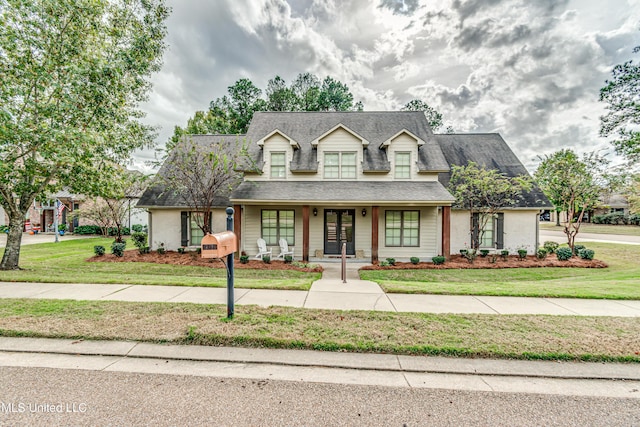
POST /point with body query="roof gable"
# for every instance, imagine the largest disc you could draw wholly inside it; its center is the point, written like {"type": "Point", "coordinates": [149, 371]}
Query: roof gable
{"type": "Point", "coordinates": [315, 142]}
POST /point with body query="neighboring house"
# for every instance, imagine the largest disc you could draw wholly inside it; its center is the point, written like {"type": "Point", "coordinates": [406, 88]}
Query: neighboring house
{"type": "Point", "coordinates": [373, 180]}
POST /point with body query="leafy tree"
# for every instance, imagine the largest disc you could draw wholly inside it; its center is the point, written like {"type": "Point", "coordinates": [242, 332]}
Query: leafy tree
{"type": "Point", "coordinates": [632, 193]}
{"type": "Point", "coordinates": [572, 184]}
{"type": "Point", "coordinates": [202, 173]}
{"type": "Point", "coordinates": [306, 88]}
{"type": "Point", "coordinates": [433, 117]}
{"type": "Point", "coordinates": [279, 96]}
{"type": "Point", "coordinates": [486, 192]}
{"type": "Point", "coordinates": [73, 75]}
{"type": "Point", "coordinates": [622, 94]}
{"type": "Point", "coordinates": [335, 96]}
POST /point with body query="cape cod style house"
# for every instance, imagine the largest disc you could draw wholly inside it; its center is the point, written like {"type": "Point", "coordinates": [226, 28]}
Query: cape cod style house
{"type": "Point", "coordinates": [375, 181]}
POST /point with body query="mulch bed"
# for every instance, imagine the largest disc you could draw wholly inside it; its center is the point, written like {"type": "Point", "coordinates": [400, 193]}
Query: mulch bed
{"type": "Point", "coordinates": [456, 262]}
{"type": "Point", "coordinates": [191, 258]}
{"type": "Point", "coordinates": [512, 261]}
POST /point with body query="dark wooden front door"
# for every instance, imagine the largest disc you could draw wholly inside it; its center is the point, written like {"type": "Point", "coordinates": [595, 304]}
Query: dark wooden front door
{"type": "Point", "coordinates": [339, 228]}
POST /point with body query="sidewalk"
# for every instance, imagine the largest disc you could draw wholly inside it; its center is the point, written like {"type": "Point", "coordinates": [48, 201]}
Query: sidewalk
{"type": "Point", "coordinates": [510, 376]}
{"type": "Point", "coordinates": [328, 293]}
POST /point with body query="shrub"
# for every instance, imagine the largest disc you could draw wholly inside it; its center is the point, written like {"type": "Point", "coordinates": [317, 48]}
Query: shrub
{"type": "Point", "coordinates": [564, 253]}
{"type": "Point", "coordinates": [139, 228]}
{"type": "Point", "coordinates": [266, 259]}
{"type": "Point", "coordinates": [577, 249]}
{"type": "Point", "coordinates": [414, 260]}
{"type": "Point", "coordinates": [437, 260]}
{"type": "Point", "coordinates": [391, 261]}
{"type": "Point", "coordinates": [161, 250]}
{"type": "Point", "coordinates": [634, 219]}
{"type": "Point", "coordinates": [139, 241]}
{"type": "Point", "coordinates": [504, 254]}
{"type": "Point", "coordinates": [484, 252]}
{"type": "Point", "coordinates": [384, 264]}
{"type": "Point", "coordinates": [98, 250]}
{"type": "Point", "coordinates": [118, 248]}
{"type": "Point", "coordinates": [470, 255]}
{"type": "Point", "coordinates": [541, 253]}
{"type": "Point", "coordinates": [288, 259]}
{"type": "Point", "coordinates": [244, 259]}
{"type": "Point", "coordinates": [493, 258]}
{"type": "Point", "coordinates": [87, 229]}
{"type": "Point", "coordinates": [550, 246]}
{"type": "Point", "coordinates": [587, 254]}
{"type": "Point", "coordinates": [522, 254]}
{"type": "Point", "coordinates": [181, 250]}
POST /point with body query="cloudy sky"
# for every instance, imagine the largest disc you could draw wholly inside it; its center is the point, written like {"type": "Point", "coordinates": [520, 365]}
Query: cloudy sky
{"type": "Point", "coordinates": [529, 70]}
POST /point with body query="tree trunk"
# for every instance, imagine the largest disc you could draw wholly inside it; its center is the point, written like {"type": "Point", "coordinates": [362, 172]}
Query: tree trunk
{"type": "Point", "coordinates": [14, 238]}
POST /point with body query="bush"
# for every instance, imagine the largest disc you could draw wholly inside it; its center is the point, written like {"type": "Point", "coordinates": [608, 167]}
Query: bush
{"type": "Point", "coordinates": [522, 254]}
{"type": "Point", "coordinates": [181, 250]}
{"type": "Point", "coordinates": [438, 260]}
{"type": "Point", "coordinates": [244, 259]}
{"type": "Point", "coordinates": [288, 259]}
{"type": "Point", "coordinates": [414, 260]}
{"type": "Point", "coordinates": [139, 241]}
{"type": "Point", "coordinates": [564, 253]}
{"type": "Point", "coordinates": [113, 231]}
{"type": "Point", "coordinates": [577, 249]}
{"type": "Point", "coordinates": [634, 219]}
{"type": "Point", "coordinates": [98, 250]}
{"type": "Point", "coordinates": [550, 247]}
{"type": "Point", "coordinates": [384, 264]}
{"type": "Point", "coordinates": [484, 252]}
{"type": "Point", "coordinates": [504, 254]}
{"type": "Point", "coordinates": [587, 254]}
{"type": "Point", "coordinates": [87, 229]}
{"type": "Point", "coordinates": [266, 259]}
{"type": "Point", "coordinates": [391, 261]}
{"type": "Point", "coordinates": [541, 253]}
{"type": "Point", "coordinates": [161, 250]}
{"type": "Point", "coordinates": [139, 228]}
{"type": "Point", "coordinates": [118, 248]}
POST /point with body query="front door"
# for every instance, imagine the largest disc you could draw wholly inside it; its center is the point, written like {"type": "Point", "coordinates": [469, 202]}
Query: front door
{"type": "Point", "coordinates": [339, 228]}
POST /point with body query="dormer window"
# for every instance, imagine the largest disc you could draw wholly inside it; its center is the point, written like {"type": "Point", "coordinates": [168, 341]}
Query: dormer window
{"type": "Point", "coordinates": [278, 166]}
{"type": "Point", "coordinates": [402, 165]}
{"type": "Point", "coordinates": [340, 165]}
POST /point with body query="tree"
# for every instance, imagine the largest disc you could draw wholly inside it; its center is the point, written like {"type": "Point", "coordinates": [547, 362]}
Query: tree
{"type": "Point", "coordinates": [433, 117]}
{"type": "Point", "coordinates": [203, 173]}
{"type": "Point", "coordinates": [334, 96]}
{"type": "Point", "coordinates": [484, 192]}
{"type": "Point", "coordinates": [622, 94]}
{"type": "Point", "coordinates": [632, 192]}
{"type": "Point", "coordinates": [73, 75]}
{"type": "Point", "coordinates": [279, 96]}
{"type": "Point", "coordinates": [572, 184]}
{"type": "Point", "coordinates": [306, 88]}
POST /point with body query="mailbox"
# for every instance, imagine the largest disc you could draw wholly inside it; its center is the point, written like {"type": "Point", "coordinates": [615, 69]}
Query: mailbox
{"type": "Point", "coordinates": [219, 245]}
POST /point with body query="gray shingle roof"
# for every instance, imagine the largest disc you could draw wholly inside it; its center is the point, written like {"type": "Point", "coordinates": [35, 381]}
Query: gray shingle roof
{"type": "Point", "coordinates": [375, 127]}
{"type": "Point", "coordinates": [368, 192]}
{"type": "Point", "coordinates": [158, 195]}
{"type": "Point", "coordinates": [491, 151]}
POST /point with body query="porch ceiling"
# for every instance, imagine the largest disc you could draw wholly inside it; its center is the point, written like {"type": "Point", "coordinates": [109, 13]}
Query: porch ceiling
{"type": "Point", "coordinates": [352, 192]}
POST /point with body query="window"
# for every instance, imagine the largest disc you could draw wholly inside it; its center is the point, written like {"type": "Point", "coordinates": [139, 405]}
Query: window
{"type": "Point", "coordinates": [278, 225]}
{"type": "Point", "coordinates": [486, 236]}
{"type": "Point", "coordinates": [489, 233]}
{"type": "Point", "coordinates": [278, 165]}
{"type": "Point", "coordinates": [194, 230]}
{"type": "Point", "coordinates": [402, 165]}
{"type": "Point", "coordinates": [402, 228]}
{"type": "Point", "coordinates": [340, 165]}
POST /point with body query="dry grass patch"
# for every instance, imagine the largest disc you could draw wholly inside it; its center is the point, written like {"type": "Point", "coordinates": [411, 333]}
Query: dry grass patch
{"type": "Point", "coordinates": [540, 337]}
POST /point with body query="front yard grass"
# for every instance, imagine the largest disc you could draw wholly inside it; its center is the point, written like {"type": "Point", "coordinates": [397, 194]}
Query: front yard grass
{"type": "Point", "coordinates": [620, 281]}
{"type": "Point", "coordinates": [65, 262]}
{"type": "Point", "coordinates": [490, 336]}
{"type": "Point", "coordinates": [621, 230]}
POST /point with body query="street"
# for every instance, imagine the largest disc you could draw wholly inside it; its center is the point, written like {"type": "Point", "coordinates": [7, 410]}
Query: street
{"type": "Point", "coordinates": [46, 397]}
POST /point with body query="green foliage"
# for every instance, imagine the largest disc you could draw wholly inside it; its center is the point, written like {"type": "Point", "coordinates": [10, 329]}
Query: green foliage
{"type": "Point", "coordinates": [470, 255]}
{"type": "Point", "coordinates": [161, 250]}
{"type": "Point", "coordinates": [244, 259]}
{"type": "Point", "coordinates": [4, 228]}
{"type": "Point", "coordinates": [541, 253]}
{"type": "Point", "coordinates": [139, 228]}
{"type": "Point", "coordinates": [266, 259]}
{"type": "Point", "coordinates": [504, 254]}
{"type": "Point", "coordinates": [414, 260]}
{"type": "Point", "coordinates": [564, 253]}
{"type": "Point", "coordinates": [87, 229]}
{"type": "Point", "coordinates": [484, 252]}
{"type": "Point", "coordinates": [117, 248]}
{"type": "Point", "coordinates": [438, 260]}
{"type": "Point", "coordinates": [74, 75]}
{"type": "Point", "coordinates": [622, 95]}
{"type": "Point", "coordinates": [98, 250]}
{"type": "Point", "coordinates": [522, 254]}
{"type": "Point", "coordinates": [181, 250]}
{"type": "Point", "coordinates": [551, 246]}
{"type": "Point", "coordinates": [587, 254]}
{"type": "Point", "coordinates": [577, 249]}
{"type": "Point", "coordinates": [140, 241]}
{"type": "Point", "coordinates": [288, 259]}
{"type": "Point", "coordinates": [433, 117]}
{"type": "Point", "coordinates": [384, 264]}
{"type": "Point", "coordinates": [391, 261]}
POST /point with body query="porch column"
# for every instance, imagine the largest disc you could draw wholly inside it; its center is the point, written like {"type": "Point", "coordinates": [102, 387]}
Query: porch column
{"type": "Point", "coordinates": [446, 231]}
{"type": "Point", "coordinates": [305, 233]}
{"type": "Point", "coordinates": [237, 226]}
{"type": "Point", "coordinates": [374, 234]}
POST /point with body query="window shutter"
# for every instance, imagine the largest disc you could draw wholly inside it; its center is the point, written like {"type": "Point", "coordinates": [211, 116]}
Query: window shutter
{"type": "Point", "coordinates": [500, 231]}
{"type": "Point", "coordinates": [184, 228]}
{"type": "Point", "coordinates": [475, 230]}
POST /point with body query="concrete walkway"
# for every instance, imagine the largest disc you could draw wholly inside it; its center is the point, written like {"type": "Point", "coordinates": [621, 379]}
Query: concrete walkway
{"type": "Point", "coordinates": [328, 293]}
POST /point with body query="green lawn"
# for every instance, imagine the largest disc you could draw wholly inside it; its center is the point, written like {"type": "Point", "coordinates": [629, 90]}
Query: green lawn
{"type": "Point", "coordinates": [621, 230]}
{"type": "Point", "coordinates": [65, 262]}
{"type": "Point", "coordinates": [620, 281]}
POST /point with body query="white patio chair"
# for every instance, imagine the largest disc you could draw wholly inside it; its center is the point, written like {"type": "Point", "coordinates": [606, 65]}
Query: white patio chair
{"type": "Point", "coordinates": [284, 249]}
{"type": "Point", "coordinates": [262, 249]}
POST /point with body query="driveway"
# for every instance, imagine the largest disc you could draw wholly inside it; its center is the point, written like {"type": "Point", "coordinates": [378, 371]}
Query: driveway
{"type": "Point", "coordinates": [31, 239]}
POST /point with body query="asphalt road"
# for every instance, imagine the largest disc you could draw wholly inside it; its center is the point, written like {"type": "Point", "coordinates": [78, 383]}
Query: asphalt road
{"type": "Point", "coordinates": [50, 397]}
